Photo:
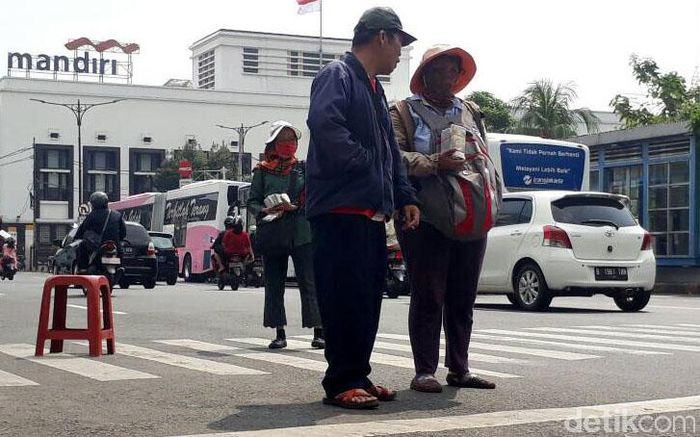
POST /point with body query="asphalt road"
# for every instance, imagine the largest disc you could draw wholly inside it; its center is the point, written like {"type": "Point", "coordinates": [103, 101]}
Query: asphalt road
{"type": "Point", "coordinates": [192, 360]}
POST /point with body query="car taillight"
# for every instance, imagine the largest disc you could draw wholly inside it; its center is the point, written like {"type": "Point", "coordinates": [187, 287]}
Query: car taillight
{"type": "Point", "coordinates": [646, 243]}
{"type": "Point", "coordinates": [555, 237]}
{"type": "Point", "coordinates": [151, 251]}
{"type": "Point", "coordinates": [110, 247]}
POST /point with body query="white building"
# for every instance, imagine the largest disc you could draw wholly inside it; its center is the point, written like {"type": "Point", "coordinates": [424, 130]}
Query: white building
{"type": "Point", "coordinates": [237, 77]}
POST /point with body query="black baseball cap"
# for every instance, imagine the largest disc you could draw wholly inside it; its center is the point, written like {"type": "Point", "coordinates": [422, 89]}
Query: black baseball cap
{"type": "Point", "coordinates": [382, 18]}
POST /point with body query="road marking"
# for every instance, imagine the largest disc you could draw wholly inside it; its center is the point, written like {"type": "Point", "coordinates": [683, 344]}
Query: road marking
{"type": "Point", "coordinates": [191, 363]}
{"type": "Point", "coordinates": [674, 308]}
{"type": "Point", "coordinates": [546, 353]}
{"type": "Point", "coordinates": [198, 345]}
{"type": "Point", "coordinates": [483, 358]}
{"type": "Point", "coordinates": [588, 347]}
{"type": "Point", "coordinates": [80, 366]}
{"type": "Point", "coordinates": [377, 357]}
{"type": "Point", "coordinates": [620, 334]}
{"type": "Point", "coordinates": [616, 342]}
{"type": "Point", "coordinates": [85, 308]}
{"type": "Point", "coordinates": [435, 425]}
{"type": "Point", "coordinates": [663, 327]}
{"type": "Point", "coordinates": [642, 330]}
{"type": "Point", "coordinates": [10, 380]}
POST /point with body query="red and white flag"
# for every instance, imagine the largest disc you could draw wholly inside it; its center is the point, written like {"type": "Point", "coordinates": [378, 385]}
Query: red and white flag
{"type": "Point", "coordinates": [307, 6]}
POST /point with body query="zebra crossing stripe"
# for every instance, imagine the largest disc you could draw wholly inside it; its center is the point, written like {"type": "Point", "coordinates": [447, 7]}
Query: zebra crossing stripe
{"type": "Point", "coordinates": [662, 327]}
{"type": "Point", "coordinates": [198, 345]}
{"type": "Point", "coordinates": [620, 334]}
{"type": "Point", "coordinates": [642, 330]}
{"type": "Point", "coordinates": [596, 340]}
{"type": "Point", "coordinates": [546, 353]}
{"type": "Point", "coordinates": [484, 358]}
{"type": "Point", "coordinates": [286, 359]}
{"type": "Point", "coordinates": [377, 357]}
{"type": "Point", "coordinates": [10, 380]}
{"type": "Point", "coordinates": [88, 368]}
{"type": "Point", "coordinates": [588, 347]}
{"type": "Point", "coordinates": [85, 308]}
{"type": "Point", "coordinates": [190, 363]}
{"type": "Point", "coordinates": [689, 325]}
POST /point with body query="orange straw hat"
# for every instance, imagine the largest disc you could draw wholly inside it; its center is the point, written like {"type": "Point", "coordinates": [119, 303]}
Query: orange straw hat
{"type": "Point", "coordinates": [467, 66]}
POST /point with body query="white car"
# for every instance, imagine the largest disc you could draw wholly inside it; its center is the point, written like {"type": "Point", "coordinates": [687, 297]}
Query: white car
{"type": "Point", "coordinates": [561, 243]}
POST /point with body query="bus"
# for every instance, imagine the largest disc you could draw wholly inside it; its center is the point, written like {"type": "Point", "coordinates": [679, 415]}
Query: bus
{"type": "Point", "coordinates": [145, 208]}
{"type": "Point", "coordinates": [194, 215]}
{"type": "Point", "coordinates": [532, 163]}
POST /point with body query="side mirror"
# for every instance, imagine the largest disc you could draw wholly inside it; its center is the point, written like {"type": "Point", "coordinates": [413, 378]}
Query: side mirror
{"type": "Point", "coordinates": [57, 243]}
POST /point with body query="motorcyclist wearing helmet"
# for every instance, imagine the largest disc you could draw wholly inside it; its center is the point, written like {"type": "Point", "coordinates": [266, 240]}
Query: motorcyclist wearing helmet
{"type": "Point", "coordinates": [115, 229]}
{"type": "Point", "coordinates": [232, 241]}
{"type": "Point", "coordinates": [9, 254]}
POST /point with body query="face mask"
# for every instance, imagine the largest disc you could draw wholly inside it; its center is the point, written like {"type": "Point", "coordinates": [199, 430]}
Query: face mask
{"type": "Point", "coordinates": [286, 149]}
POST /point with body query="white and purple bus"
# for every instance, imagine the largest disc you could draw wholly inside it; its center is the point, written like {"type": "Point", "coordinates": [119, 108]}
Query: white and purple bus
{"type": "Point", "coordinates": [194, 215]}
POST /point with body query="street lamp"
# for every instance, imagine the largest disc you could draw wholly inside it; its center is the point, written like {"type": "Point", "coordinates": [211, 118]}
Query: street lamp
{"type": "Point", "coordinates": [242, 131]}
{"type": "Point", "coordinates": [79, 110]}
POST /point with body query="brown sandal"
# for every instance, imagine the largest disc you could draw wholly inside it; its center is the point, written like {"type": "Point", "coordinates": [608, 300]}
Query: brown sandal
{"type": "Point", "coordinates": [348, 399]}
{"type": "Point", "coordinates": [382, 393]}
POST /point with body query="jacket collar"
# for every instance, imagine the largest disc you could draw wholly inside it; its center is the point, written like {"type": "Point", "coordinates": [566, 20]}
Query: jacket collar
{"type": "Point", "coordinates": [351, 60]}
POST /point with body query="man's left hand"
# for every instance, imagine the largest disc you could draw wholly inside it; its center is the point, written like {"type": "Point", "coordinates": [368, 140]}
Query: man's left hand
{"type": "Point", "coordinates": [411, 215]}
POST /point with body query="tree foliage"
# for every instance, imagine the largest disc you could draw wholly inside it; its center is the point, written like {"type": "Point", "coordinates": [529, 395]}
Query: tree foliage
{"type": "Point", "coordinates": [669, 99]}
{"type": "Point", "coordinates": [544, 109]}
{"type": "Point", "coordinates": [213, 160]}
{"type": "Point", "coordinates": [497, 113]}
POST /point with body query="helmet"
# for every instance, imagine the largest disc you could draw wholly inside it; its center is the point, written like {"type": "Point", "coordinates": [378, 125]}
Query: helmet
{"type": "Point", "coordinates": [238, 224]}
{"type": "Point", "coordinates": [10, 242]}
{"type": "Point", "coordinates": [229, 221]}
{"type": "Point", "coordinates": [99, 200]}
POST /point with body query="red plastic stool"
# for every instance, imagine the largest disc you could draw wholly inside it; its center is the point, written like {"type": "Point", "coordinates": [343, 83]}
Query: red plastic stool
{"type": "Point", "coordinates": [95, 286]}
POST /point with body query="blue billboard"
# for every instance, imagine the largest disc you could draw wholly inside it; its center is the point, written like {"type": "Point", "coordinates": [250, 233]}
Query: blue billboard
{"type": "Point", "coordinates": [542, 167]}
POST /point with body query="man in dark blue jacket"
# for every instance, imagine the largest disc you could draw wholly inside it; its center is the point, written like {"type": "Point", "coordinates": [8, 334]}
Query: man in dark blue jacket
{"type": "Point", "coordinates": [355, 181]}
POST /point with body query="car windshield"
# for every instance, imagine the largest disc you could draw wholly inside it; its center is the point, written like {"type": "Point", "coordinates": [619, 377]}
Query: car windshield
{"type": "Point", "coordinates": [162, 242]}
{"type": "Point", "coordinates": [137, 234]}
{"type": "Point", "coordinates": [592, 211]}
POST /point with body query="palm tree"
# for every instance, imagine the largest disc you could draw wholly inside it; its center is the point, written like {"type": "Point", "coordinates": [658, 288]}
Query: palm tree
{"type": "Point", "coordinates": [543, 109]}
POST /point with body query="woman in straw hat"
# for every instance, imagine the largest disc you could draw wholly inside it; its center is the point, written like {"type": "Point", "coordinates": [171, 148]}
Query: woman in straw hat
{"type": "Point", "coordinates": [443, 272]}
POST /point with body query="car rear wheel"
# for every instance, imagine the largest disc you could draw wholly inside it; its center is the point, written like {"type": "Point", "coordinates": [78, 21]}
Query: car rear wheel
{"type": "Point", "coordinates": [124, 284]}
{"type": "Point", "coordinates": [530, 287]}
{"type": "Point", "coordinates": [149, 283]}
{"type": "Point", "coordinates": [632, 302]}
{"type": "Point", "coordinates": [172, 279]}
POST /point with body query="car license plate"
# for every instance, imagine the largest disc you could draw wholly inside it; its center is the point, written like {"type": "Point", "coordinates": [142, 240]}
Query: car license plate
{"type": "Point", "coordinates": [111, 261]}
{"type": "Point", "coordinates": [129, 250]}
{"type": "Point", "coordinates": [610, 273]}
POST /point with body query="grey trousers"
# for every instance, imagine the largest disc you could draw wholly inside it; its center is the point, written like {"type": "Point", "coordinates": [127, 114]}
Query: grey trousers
{"type": "Point", "coordinates": [275, 275]}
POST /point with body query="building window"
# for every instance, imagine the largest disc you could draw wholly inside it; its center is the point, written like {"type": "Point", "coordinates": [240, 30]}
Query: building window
{"type": "Point", "coordinates": [144, 164]}
{"type": "Point", "coordinates": [250, 60]}
{"type": "Point", "coordinates": [669, 213]}
{"type": "Point", "coordinates": [627, 181]}
{"type": "Point", "coordinates": [306, 64]}
{"type": "Point", "coordinates": [205, 72]}
{"type": "Point", "coordinates": [101, 172]}
{"type": "Point", "coordinates": [54, 173]}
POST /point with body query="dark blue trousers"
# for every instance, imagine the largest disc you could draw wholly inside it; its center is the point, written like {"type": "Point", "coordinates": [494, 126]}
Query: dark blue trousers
{"type": "Point", "coordinates": [350, 265]}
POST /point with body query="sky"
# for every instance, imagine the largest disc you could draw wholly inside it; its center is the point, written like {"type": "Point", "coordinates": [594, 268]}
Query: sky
{"type": "Point", "coordinates": [514, 42]}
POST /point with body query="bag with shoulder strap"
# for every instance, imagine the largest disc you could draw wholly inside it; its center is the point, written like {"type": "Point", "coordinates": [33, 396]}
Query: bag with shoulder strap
{"type": "Point", "coordinates": [91, 239]}
{"type": "Point", "coordinates": [461, 205]}
{"type": "Point", "coordinates": [276, 238]}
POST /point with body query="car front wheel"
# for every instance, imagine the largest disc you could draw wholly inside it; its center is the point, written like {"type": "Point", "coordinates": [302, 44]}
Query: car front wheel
{"type": "Point", "coordinates": [530, 288]}
{"type": "Point", "coordinates": [632, 302]}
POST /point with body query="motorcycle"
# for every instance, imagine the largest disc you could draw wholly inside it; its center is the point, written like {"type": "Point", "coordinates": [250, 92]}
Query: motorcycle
{"type": "Point", "coordinates": [397, 277]}
{"type": "Point", "coordinates": [233, 274]}
{"type": "Point", "coordinates": [106, 262]}
{"type": "Point", "coordinates": [7, 270]}
{"type": "Point", "coordinates": [255, 273]}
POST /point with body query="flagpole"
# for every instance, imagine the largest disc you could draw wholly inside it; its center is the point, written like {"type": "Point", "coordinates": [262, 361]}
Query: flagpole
{"type": "Point", "coordinates": [320, 34]}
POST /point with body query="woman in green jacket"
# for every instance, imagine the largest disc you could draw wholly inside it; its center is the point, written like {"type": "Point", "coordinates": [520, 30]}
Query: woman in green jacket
{"type": "Point", "coordinates": [272, 176]}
